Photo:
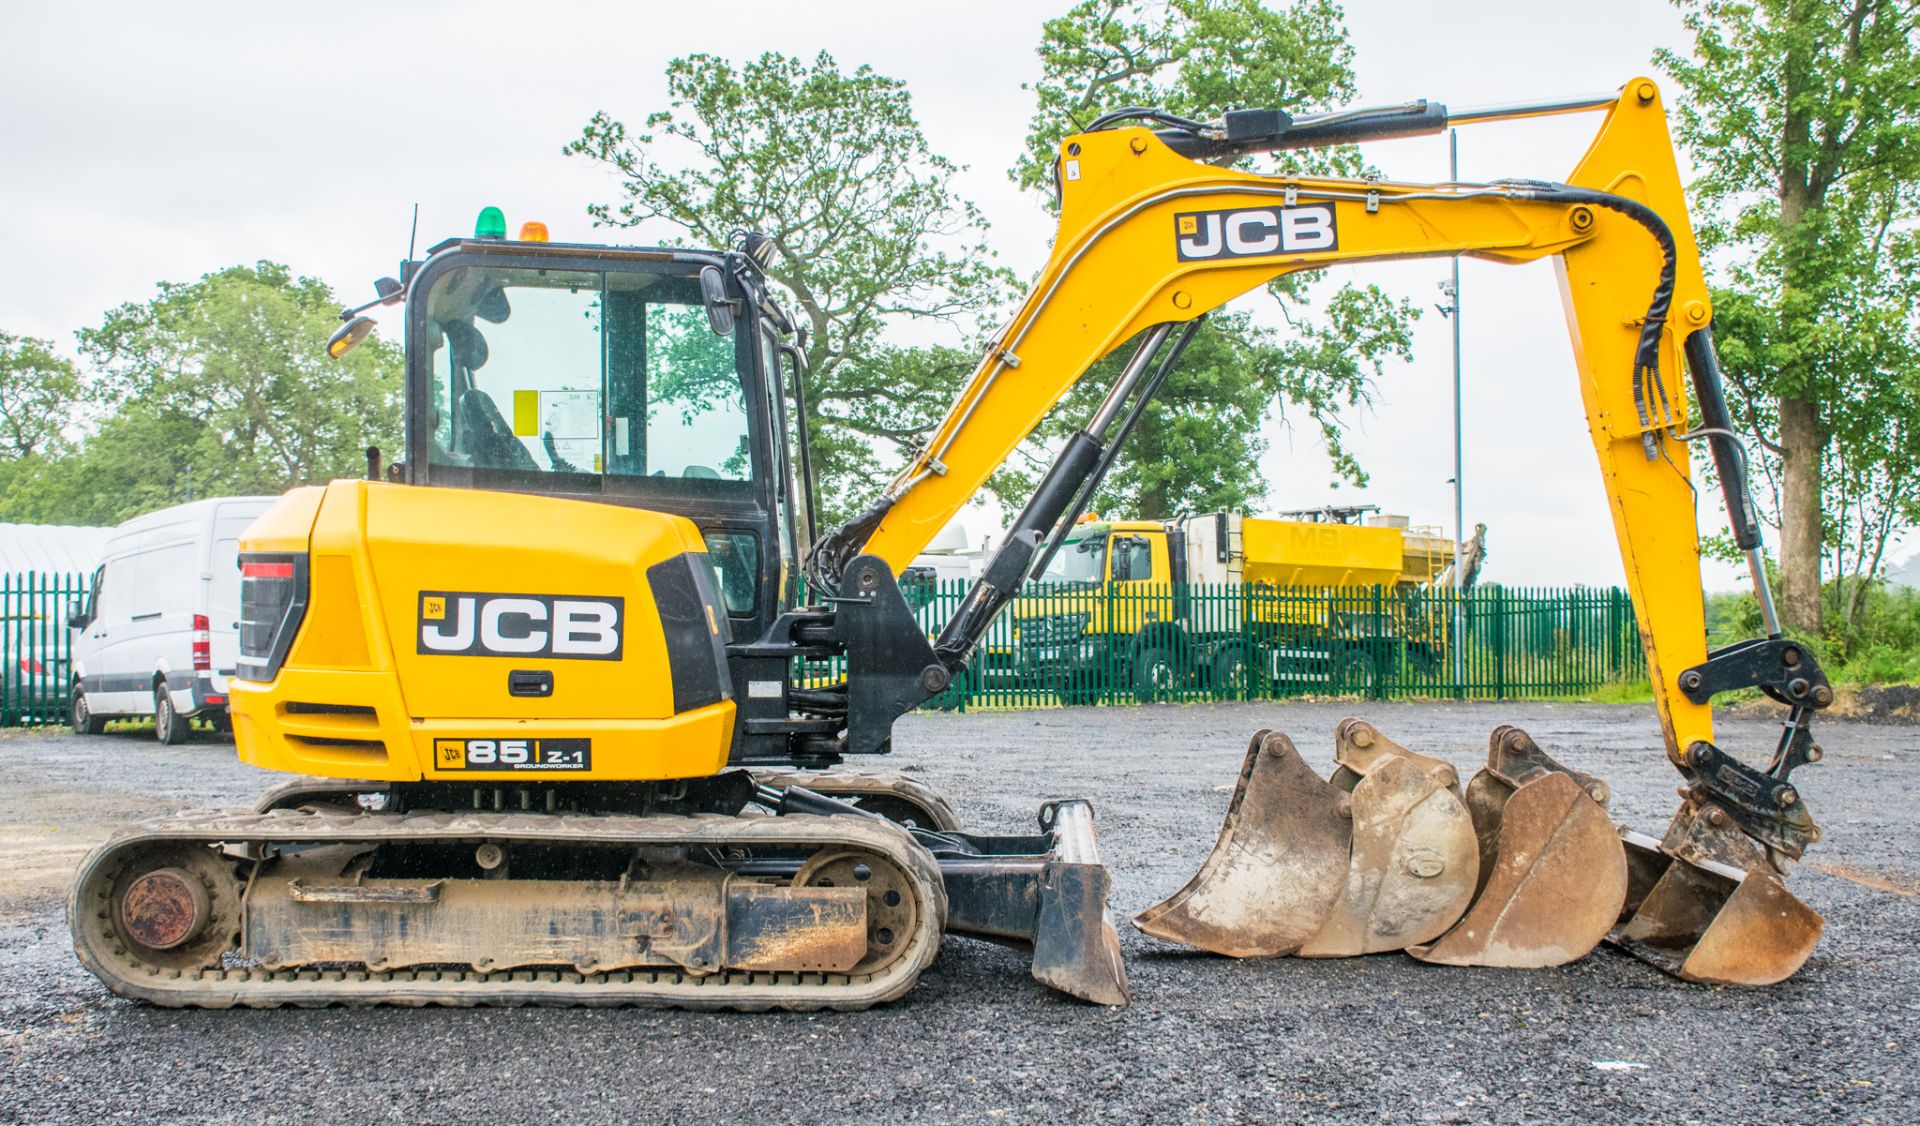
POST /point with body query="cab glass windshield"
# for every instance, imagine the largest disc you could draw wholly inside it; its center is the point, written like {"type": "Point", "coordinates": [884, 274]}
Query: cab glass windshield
{"type": "Point", "coordinates": [1078, 561]}
{"type": "Point", "coordinates": [583, 372]}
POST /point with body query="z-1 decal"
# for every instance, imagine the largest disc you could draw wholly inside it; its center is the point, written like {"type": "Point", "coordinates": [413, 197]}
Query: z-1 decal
{"type": "Point", "coordinates": [513, 754]}
{"type": "Point", "coordinates": [469, 623]}
{"type": "Point", "coordinates": [1255, 232]}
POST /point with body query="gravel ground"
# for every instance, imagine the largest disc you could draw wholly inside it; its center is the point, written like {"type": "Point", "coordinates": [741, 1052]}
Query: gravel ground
{"type": "Point", "coordinates": [1207, 1039]}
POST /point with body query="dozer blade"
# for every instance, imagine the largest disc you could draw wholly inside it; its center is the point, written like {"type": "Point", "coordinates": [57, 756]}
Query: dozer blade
{"type": "Point", "coordinates": [1553, 873]}
{"type": "Point", "coordinates": [1704, 920]}
{"type": "Point", "coordinates": [1278, 869]}
{"type": "Point", "coordinates": [1415, 861]}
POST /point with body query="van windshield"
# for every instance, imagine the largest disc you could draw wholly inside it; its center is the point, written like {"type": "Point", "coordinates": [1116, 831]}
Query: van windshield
{"type": "Point", "coordinates": [583, 372]}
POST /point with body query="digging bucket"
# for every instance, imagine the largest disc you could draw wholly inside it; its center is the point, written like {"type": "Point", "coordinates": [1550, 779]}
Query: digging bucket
{"type": "Point", "coordinates": [1414, 862]}
{"type": "Point", "coordinates": [1278, 868]}
{"type": "Point", "coordinates": [1553, 871]}
{"type": "Point", "coordinates": [1702, 919]}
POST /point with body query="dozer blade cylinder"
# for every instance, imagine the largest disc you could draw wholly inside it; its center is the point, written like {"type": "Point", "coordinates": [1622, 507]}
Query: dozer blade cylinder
{"type": "Point", "coordinates": [1705, 921]}
{"type": "Point", "coordinates": [1554, 873]}
{"type": "Point", "coordinates": [1277, 870]}
{"type": "Point", "coordinates": [1413, 867]}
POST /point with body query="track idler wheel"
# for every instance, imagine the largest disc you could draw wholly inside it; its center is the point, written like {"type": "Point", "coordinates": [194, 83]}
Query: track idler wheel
{"type": "Point", "coordinates": [1553, 873]}
{"type": "Point", "coordinates": [1278, 868]}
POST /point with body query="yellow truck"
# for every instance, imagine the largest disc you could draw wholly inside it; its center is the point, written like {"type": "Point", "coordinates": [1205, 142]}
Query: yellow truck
{"type": "Point", "coordinates": [1332, 596]}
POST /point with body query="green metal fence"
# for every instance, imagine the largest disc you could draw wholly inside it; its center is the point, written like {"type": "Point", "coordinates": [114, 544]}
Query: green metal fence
{"type": "Point", "coordinates": [1137, 642]}
{"type": "Point", "coordinates": [34, 646]}
{"type": "Point", "coordinates": [1129, 642]}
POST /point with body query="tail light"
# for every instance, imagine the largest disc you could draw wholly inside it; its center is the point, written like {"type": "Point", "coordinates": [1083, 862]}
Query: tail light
{"type": "Point", "coordinates": [32, 667]}
{"type": "Point", "coordinates": [273, 600]}
{"type": "Point", "coordinates": [202, 644]}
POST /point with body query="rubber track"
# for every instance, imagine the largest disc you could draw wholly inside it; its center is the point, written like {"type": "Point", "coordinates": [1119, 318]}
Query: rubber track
{"type": "Point", "coordinates": [214, 987]}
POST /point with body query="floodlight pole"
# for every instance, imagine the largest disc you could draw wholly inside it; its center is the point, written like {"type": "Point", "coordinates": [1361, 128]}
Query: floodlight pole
{"type": "Point", "coordinates": [1459, 501]}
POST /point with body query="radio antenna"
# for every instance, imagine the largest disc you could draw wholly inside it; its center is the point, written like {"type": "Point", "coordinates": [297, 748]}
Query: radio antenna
{"type": "Point", "coordinates": [413, 231]}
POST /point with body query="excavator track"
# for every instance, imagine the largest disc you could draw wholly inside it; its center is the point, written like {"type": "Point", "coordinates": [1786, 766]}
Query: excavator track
{"type": "Point", "coordinates": [190, 885]}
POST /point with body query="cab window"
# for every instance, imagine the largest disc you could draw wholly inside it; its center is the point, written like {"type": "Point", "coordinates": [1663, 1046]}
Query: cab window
{"type": "Point", "coordinates": [1132, 558]}
{"type": "Point", "coordinates": [583, 372]}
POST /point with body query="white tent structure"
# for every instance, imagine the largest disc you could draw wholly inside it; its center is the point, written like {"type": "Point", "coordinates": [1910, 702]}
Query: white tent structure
{"type": "Point", "coordinates": [61, 549]}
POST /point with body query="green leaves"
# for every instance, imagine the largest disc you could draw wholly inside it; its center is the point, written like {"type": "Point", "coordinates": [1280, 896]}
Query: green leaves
{"type": "Point", "coordinates": [1804, 119]}
{"type": "Point", "coordinates": [1198, 446]}
{"type": "Point", "coordinates": [39, 395]}
{"type": "Point", "coordinates": [833, 166]}
{"type": "Point", "coordinates": [219, 386]}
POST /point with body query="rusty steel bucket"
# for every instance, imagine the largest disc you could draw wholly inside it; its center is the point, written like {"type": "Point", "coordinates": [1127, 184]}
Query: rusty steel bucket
{"type": "Point", "coordinates": [1707, 904]}
{"type": "Point", "coordinates": [1553, 871]}
{"type": "Point", "coordinates": [1381, 857]}
{"type": "Point", "coordinates": [1414, 862]}
{"type": "Point", "coordinates": [1278, 868]}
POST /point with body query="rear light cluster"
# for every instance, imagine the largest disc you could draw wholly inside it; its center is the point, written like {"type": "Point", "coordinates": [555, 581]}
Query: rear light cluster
{"type": "Point", "coordinates": [273, 600]}
{"type": "Point", "coordinates": [202, 644]}
{"type": "Point", "coordinates": [32, 667]}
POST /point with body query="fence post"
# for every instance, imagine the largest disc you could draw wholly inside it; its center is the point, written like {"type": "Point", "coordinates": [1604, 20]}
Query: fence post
{"type": "Point", "coordinates": [1499, 643]}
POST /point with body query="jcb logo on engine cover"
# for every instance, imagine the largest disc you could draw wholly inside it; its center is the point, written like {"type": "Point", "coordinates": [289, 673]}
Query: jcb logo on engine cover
{"type": "Point", "coordinates": [1255, 232]}
{"type": "Point", "coordinates": [469, 623]}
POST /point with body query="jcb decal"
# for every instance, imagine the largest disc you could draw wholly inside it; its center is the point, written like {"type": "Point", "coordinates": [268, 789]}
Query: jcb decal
{"type": "Point", "coordinates": [520, 625]}
{"type": "Point", "coordinates": [513, 754]}
{"type": "Point", "coordinates": [1255, 232]}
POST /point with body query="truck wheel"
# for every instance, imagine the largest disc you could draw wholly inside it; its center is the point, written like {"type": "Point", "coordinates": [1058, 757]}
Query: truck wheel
{"type": "Point", "coordinates": [1355, 674]}
{"type": "Point", "coordinates": [84, 721]}
{"type": "Point", "coordinates": [1154, 675]}
{"type": "Point", "coordinates": [168, 727]}
{"type": "Point", "coordinates": [1233, 675]}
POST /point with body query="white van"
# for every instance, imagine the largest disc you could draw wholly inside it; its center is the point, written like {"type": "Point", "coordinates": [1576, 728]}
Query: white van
{"type": "Point", "coordinates": [159, 631]}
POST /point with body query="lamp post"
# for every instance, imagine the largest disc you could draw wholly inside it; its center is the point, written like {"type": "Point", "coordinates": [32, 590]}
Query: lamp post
{"type": "Point", "coordinates": [1451, 310]}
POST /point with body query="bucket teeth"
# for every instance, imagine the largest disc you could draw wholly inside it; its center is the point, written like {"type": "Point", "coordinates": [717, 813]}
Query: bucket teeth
{"type": "Point", "coordinates": [1276, 871]}
{"type": "Point", "coordinates": [1553, 873]}
{"type": "Point", "coordinates": [1414, 861]}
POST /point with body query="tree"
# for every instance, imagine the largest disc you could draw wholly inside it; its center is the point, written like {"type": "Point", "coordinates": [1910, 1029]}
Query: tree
{"type": "Point", "coordinates": [39, 394]}
{"type": "Point", "coordinates": [219, 387]}
{"type": "Point", "coordinates": [832, 166]}
{"type": "Point", "coordinates": [1197, 446]}
{"type": "Point", "coordinates": [1804, 117]}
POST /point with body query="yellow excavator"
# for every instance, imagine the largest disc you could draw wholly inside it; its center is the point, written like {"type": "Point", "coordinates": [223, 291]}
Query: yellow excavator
{"type": "Point", "coordinates": [543, 679]}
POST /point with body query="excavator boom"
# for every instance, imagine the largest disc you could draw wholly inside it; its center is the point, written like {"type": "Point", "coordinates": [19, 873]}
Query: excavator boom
{"type": "Point", "coordinates": [1152, 239]}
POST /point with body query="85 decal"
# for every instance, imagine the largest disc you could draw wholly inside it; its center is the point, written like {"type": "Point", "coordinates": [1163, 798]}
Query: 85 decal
{"type": "Point", "coordinates": [565, 755]}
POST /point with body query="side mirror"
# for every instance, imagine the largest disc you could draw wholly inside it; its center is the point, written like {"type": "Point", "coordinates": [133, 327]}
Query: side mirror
{"type": "Point", "coordinates": [390, 290]}
{"type": "Point", "coordinates": [348, 337]}
{"type": "Point", "coordinates": [1122, 561]}
{"type": "Point", "coordinates": [76, 617]}
{"type": "Point", "coordinates": [713, 290]}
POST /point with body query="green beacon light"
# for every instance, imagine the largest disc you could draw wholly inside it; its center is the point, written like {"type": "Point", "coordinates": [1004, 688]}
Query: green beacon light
{"type": "Point", "coordinates": [491, 224]}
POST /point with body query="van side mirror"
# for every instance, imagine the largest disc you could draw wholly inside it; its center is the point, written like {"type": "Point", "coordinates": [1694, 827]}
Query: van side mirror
{"type": "Point", "coordinates": [76, 616]}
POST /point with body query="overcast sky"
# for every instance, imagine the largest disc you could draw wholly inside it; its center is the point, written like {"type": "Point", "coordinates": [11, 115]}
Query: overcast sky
{"type": "Point", "coordinates": [142, 142]}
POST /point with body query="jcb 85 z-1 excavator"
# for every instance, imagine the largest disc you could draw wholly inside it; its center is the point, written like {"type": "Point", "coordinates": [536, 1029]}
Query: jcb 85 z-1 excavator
{"type": "Point", "coordinates": [554, 687]}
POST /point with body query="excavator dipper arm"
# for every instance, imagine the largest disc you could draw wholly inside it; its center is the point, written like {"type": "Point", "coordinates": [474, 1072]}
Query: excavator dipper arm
{"type": "Point", "coordinates": [1150, 238]}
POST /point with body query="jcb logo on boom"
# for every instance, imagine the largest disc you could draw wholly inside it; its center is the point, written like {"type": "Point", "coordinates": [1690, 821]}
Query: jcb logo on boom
{"type": "Point", "coordinates": [520, 625]}
{"type": "Point", "coordinates": [1255, 232]}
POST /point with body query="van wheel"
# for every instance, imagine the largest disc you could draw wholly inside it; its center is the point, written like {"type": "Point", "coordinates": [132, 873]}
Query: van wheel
{"type": "Point", "coordinates": [168, 727]}
{"type": "Point", "coordinates": [84, 721]}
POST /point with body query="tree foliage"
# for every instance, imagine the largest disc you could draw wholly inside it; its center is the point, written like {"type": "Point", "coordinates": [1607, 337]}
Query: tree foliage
{"type": "Point", "coordinates": [1804, 117]}
{"type": "Point", "coordinates": [214, 387]}
{"type": "Point", "coordinates": [1198, 445]}
{"type": "Point", "coordinates": [833, 166]}
{"type": "Point", "coordinates": [39, 394]}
